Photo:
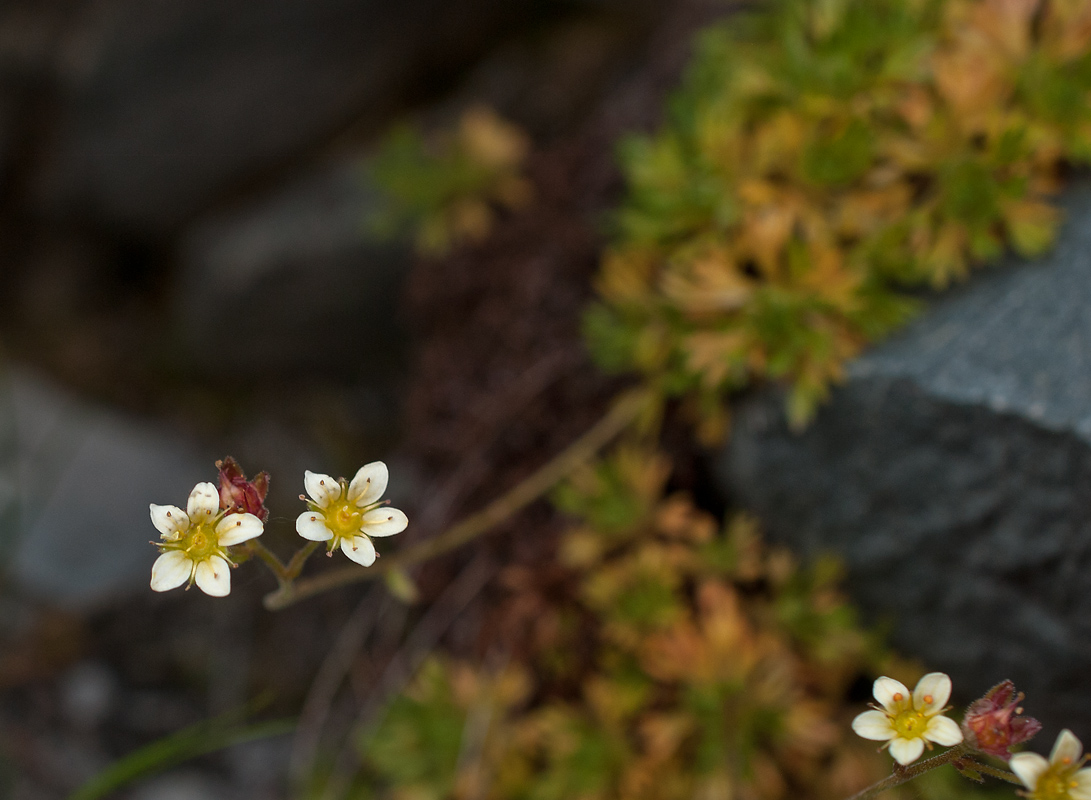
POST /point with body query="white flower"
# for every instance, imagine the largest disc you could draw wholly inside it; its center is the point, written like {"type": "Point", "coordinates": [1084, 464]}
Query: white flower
{"type": "Point", "coordinates": [350, 514]}
{"type": "Point", "coordinates": [195, 541]}
{"type": "Point", "coordinates": [1060, 778]}
{"type": "Point", "coordinates": [909, 722]}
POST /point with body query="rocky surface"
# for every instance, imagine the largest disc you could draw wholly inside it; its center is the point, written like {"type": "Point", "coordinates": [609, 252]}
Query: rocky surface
{"type": "Point", "coordinates": [952, 473]}
{"type": "Point", "coordinates": [84, 477]}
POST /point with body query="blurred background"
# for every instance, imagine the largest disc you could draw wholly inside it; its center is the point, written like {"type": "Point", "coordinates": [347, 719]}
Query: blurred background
{"type": "Point", "coordinates": [200, 257]}
{"type": "Point", "coordinates": [188, 272]}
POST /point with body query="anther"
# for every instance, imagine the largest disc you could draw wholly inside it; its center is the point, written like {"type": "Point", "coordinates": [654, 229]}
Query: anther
{"type": "Point", "coordinates": [928, 699]}
{"type": "Point", "coordinates": [898, 697]}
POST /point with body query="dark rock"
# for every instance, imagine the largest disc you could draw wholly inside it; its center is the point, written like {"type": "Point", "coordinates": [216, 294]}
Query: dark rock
{"type": "Point", "coordinates": [292, 282]}
{"type": "Point", "coordinates": [952, 474]}
{"type": "Point", "coordinates": [165, 105]}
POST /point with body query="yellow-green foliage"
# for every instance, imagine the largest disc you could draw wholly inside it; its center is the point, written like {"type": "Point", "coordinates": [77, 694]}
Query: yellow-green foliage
{"type": "Point", "coordinates": [822, 156]}
{"type": "Point", "coordinates": [444, 189]}
{"type": "Point", "coordinates": [688, 660]}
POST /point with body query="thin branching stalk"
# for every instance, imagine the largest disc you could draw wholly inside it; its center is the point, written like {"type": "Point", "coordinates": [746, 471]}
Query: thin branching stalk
{"type": "Point", "coordinates": [504, 507]}
{"type": "Point", "coordinates": [904, 774]}
{"type": "Point", "coordinates": [960, 756]}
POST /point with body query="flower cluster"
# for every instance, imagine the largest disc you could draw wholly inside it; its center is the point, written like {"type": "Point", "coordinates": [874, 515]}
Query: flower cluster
{"type": "Point", "coordinates": [992, 724]}
{"type": "Point", "coordinates": [195, 543]}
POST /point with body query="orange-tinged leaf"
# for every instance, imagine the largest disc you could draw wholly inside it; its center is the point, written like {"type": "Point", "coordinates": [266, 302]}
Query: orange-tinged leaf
{"type": "Point", "coordinates": [1066, 29]}
{"type": "Point", "coordinates": [1031, 224]}
{"type": "Point", "coordinates": [862, 212]}
{"type": "Point", "coordinates": [1008, 23]}
{"type": "Point", "coordinates": [971, 78]}
{"type": "Point", "coordinates": [715, 354]}
{"type": "Point", "coordinates": [916, 106]}
{"type": "Point", "coordinates": [625, 275]}
{"type": "Point", "coordinates": [711, 282]}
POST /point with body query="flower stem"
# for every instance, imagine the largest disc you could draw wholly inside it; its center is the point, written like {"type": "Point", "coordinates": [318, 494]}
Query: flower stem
{"type": "Point", "coordinates": [621, 414]}
{"type": "Point", "coordinates": [904, 774]}
{"type": "Point", "coordinates": [254, 547]}
{"type": "Point", "coordinates": [994, 772]}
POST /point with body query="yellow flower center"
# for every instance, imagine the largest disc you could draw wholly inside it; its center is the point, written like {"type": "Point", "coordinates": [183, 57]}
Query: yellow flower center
{"type": "Point", "coordinates": [1054, 783]}
{"type": "Point", "coordinates": [344, 519]}
{"type": "Point", "coordinates": [201, 541]}
{"type": "Point", "coordinates": [909, 724]}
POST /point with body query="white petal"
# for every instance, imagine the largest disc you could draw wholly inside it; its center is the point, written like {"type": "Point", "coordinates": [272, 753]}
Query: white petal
{"type": "Point", "coordinates": [369, 484]}
{"type": "Point", "coordinates": [874, 725]}
{"type": "Point", "coordinates": [891, 694]}
{"type": "Point", "coordinates": [943, 730]}
{"type": "Point", "coordinates": [171, 521]}
{"type": "Point", "coordinates": [359, 549]}
{"type": "Point", "coordinates": [170, 571]}
{"type": "Point", "coordinates": [906, 751]}
{"type": "Point", "coordinates": [384, 522]}
{"type": "Point", "coordinates": [312, 525]}
{"type": "Point", "coordinates": [204, 503]}
{"type": "Point", "coordinates": [322, 488]}
{"type": "Point", "coordinates": [1082, 789]}
{"type": "Point", "coordinates": [1067, 749]}
{"type": "Point", "coordinates": [1029, 767]}
{"type": "Point", "coordinates": [932, 693]}
{"type": "Point", "coordinates": [236, 528]}
{"type": "Point", "coordinates": [214, 576]}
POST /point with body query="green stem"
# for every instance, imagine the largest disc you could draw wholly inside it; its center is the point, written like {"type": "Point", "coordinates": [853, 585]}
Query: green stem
{"type": "Point", "coordinates": [256, 548]}
{"type": "Point", "coordinates": [621, 414]}
{"type": "Point", "coordinates": [295, 566]}
{"type": "Point", "coordinates": [904, 774]}
{"type": "Point", "coordinates": [994, 772]}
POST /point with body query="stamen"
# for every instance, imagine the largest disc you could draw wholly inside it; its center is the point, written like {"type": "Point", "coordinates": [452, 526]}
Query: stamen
{"type": "Point", "coordinates": [898, 697]}
{"type": "Point", "coordinates": [928, 699]}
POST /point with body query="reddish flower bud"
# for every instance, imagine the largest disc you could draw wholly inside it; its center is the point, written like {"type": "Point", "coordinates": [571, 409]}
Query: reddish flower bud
{"type": "Point", "coordinates": [993, 724]}
{"type": "Point", "coordinates": [239, 494]}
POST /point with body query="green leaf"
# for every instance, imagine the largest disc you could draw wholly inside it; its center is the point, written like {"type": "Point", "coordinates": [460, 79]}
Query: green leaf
{"type": "Point", "coordinates": [204, 737]}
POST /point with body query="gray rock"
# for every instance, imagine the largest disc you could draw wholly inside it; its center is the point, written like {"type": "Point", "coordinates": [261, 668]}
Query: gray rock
{"type": "Point", "coordinates": [79, 528]}
{"type": "Point", "coordinates": [164, 105]}
{"type": "Point", "coordinates": [952, 474]}
{"type": "Point", "coordinates": [292, 282]}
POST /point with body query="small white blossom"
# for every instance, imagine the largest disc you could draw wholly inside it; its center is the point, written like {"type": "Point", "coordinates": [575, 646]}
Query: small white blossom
{"type": "Point", "coordinates": [195, 541]}
{"type": "Point", "coordinates": [910, 722]}
{"type": "Point", "coordinates": [350, 514]}
{"type": "Point", "coordinates": [1060, 778]}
